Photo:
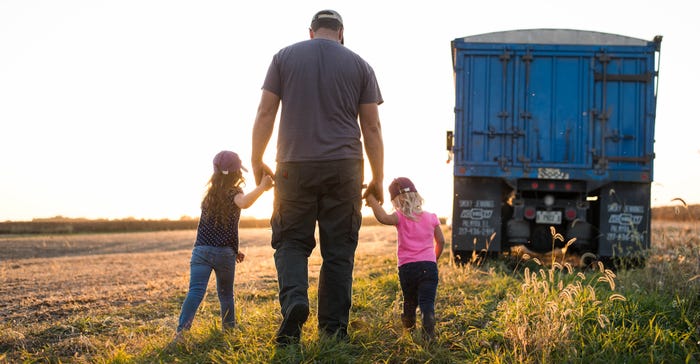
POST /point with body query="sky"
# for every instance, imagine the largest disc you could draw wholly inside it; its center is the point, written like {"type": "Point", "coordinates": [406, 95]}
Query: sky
{"type": "Point", "coordinates": [115, 109]}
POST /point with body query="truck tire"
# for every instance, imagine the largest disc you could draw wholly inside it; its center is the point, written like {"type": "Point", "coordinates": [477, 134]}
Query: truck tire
{"type": "Point", "coordinates": [583, 232]}
{"type": "Point", "coordinates": [462, 257]}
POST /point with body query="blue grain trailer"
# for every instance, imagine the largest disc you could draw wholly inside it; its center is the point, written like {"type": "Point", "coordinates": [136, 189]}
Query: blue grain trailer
{"type": "Point", "coordinates": [553, 128]}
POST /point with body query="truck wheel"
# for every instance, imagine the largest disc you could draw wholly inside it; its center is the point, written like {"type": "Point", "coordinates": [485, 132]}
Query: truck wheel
{"type": "Point", "coordinates": [517, 231]}
{"type": "Point", "coordinates": [624, 263]}
{"type": "Point", "coordinates": [583, 232]}
{"type": "Point", "coordinates": [541, 240]}
{"type": "Point", "coordinates": [588, 260]}
{"type": "Point", "coordinates": [462, 257]}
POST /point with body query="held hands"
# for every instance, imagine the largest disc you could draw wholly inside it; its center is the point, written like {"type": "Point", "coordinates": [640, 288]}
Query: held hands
{"type": "Point", "coordinates": [261, 170]}
{"type": "Point", "coordinates": [263, 182]}
{"type": "Point", "coordinates": [240, 257]}
{"type": "Point", "coordinates": [371, 200]}
{"type": "Point", "coordinates": [375, 190]}
{"type": "Point", "coordinates": [267, 182]}
{"type": "Point", "coordinates": [379, 212]}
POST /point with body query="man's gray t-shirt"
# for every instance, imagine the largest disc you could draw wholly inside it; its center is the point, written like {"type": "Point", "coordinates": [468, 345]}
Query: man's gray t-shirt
{"type": "Point", "coordinates": [321, 84]}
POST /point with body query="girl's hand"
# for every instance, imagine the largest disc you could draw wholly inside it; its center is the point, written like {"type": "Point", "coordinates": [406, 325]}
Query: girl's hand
{"type": "Point", "coordinates": [267, 182]}
{"type": "Point", "coordinates": [371, 200]}
{"type": "Point", "coordinates": [240, 257]}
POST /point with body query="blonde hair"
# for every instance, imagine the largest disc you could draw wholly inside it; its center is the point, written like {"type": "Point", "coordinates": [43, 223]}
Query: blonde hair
{"type": "Point", "coordinates": [409, 203]}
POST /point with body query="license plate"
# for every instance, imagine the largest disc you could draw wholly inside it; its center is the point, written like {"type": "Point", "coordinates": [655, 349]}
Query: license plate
{"type": "Point", "coordinates": [548, 217]}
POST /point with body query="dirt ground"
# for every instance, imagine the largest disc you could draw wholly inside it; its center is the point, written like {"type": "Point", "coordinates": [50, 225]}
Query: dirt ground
{"type": "Point", "coordinates": [47, 277]}
{"type": "Point", "coordinates": [54, 276]}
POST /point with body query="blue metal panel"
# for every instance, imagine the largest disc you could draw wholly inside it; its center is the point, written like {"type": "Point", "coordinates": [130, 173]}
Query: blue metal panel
{"type": "Point", "coordinates": [583, 109]}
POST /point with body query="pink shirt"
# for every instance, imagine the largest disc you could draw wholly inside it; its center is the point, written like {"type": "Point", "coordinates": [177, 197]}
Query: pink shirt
{"type": "Point", "coordinates": [415, 238]}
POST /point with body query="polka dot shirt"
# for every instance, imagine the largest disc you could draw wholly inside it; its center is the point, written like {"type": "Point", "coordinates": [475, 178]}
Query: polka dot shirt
{"type": "Point", "coordinates": [212, 234]}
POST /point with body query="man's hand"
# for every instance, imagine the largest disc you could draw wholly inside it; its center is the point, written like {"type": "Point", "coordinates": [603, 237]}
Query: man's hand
{"type": "Point", "coordinates": [375, 189]}
{"type": "Point", "coordinates": [267, 182]}
{"type": "Point", "coordinates": [261, 169]}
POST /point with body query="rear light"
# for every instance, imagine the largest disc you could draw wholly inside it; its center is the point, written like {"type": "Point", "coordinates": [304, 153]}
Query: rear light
{"type": "Point", "coordinates": [567, 186]}
{"type": "Point", "coordinates": [535, 185]}
{"type": "Point", "coordinates": [529, 213]}
{"type": "Point", "coordinates": [570, 213]}
{"type": "Point", "coordinates": [548, 200]}
{"type": "Point", "coordinates": [551, 185]}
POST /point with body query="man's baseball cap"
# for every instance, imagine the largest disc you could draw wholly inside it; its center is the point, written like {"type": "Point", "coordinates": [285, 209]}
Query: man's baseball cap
{"type": "Point", "coordinates": [327, 15]}
{"type": "Point", "coordinates": [401, 185]}
{"type": "Point", "coordinates": [226, 161]}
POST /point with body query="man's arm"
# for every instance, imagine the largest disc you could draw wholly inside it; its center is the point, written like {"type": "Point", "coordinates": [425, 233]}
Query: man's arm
{"type": "Point", "coordinates": [374, 147]}
{"type": "Point", "coordinates": [262, 131]}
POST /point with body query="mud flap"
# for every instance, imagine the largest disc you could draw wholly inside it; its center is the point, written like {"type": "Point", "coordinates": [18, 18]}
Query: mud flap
{"type": "Point", "coordinates": [625, 220]}
{"type": "Point", "coordinates": [477, 215]}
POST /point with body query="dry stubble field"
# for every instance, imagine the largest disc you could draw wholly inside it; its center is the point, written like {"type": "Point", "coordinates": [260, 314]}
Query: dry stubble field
{"type": "Point", "coordinates": [53, 276]}
{"type": "Point", "coordinates": [50, 284]}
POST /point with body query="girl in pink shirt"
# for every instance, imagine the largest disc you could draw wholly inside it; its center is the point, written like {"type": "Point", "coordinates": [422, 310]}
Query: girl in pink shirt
{"type": "Point", "coordinates": [416, 230]}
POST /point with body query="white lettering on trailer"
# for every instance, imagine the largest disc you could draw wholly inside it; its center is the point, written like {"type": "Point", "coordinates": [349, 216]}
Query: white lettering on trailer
{"type": "Point", "coordinates": [634, 209]}
{"type": "Point", "coordinates": [551, 173]}
{"type": "Point", "coordinates": [475, 231]}
{"type": "Point", "coordinates": [476, 214]}
{"type": "Point", "coordinates": [614, 207]}
{"type": "Point", "coordinates": [624, 221]}
{"type": "Point", "coordinates": [475, 217]}
{"type": "Point", "coordinates": [627, 237]}
{"type": "Point", "coordinates": [489, 204]}
{"type": "Point", "coordinates": [621, 229]}
{"type": "Point", "coordinates": [465, 203]}
{"type": "Point", "coordinates": [471, 223]}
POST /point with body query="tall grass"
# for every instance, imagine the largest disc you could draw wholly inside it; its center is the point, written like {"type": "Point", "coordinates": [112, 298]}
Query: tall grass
{"type": "Point", "coordinates": [518, 310]}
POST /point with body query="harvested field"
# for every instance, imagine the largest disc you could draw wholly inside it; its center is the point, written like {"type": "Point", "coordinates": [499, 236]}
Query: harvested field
{"type": "Point", "coordinates": [53, 276]}
{"type": "Point", "coordinates": [115, 298]}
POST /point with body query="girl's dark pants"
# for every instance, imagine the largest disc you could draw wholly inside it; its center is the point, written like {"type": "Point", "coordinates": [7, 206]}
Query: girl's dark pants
{"type": "Point", "coordinates": [419, 281]}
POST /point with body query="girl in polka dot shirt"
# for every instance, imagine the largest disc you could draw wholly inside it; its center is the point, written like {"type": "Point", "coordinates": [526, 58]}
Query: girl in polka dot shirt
{"type": "Point", "coordinates": [216, 245]}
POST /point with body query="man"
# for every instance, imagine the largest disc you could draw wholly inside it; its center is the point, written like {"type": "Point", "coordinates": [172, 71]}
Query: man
{"type": "Point", "coordinates": [323, 88]}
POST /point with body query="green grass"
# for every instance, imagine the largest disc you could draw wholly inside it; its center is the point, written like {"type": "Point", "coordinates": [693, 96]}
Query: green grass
{"type": "Point", "coordinates": [498, 311]}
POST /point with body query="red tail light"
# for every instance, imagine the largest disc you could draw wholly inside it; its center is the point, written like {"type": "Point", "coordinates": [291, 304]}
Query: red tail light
{"type": "Point", "coordinates": [570, 214]}
{"type": "Point", "coordinates": [529, 212]}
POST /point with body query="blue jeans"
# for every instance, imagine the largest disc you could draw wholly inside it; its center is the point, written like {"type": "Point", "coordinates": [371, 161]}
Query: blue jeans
{"type": "Point", "coordinates": [205, 259]}
{"type": "Point", "coordinates": [419, 281]}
